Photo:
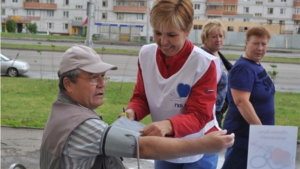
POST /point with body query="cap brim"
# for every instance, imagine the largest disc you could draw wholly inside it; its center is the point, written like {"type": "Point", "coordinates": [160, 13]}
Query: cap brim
{"type": "Point", "coordinates": [99, 67]}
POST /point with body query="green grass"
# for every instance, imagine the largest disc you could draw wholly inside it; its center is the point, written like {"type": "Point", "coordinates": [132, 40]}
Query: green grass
{"type": "Point", "coordinates": [27, 102]}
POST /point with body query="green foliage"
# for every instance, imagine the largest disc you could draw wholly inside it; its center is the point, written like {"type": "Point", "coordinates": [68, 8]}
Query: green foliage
{"type": "Point", "coordinates": [31, 27]}
{"type": "Point", "coordinates": [273, 73]}
{"type": "Point", "coordinates": [11, 26]}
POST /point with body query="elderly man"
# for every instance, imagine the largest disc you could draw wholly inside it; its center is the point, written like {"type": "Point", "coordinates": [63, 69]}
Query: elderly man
{"type": "Point", "coordinates": [76, 137]}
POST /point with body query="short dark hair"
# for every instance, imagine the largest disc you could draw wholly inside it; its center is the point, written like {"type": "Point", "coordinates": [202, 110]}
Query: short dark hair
{"type": "Point", "coordinates": [259, 31]}
{"type": "Point", "coordinates": [72, 75]}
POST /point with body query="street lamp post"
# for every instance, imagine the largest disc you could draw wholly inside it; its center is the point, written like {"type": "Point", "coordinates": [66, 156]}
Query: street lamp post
{"type": "Point", "coordinates": [90, 12]}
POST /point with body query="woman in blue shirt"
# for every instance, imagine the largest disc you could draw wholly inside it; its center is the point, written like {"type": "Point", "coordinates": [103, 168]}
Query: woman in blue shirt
{"type": "Point", "coordinates": [250, 95]}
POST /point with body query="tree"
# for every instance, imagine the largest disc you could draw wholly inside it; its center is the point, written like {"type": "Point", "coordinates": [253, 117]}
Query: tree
{"type": "Point", "coordinates": [31, 27]}
{"type": "Point", "coordinates": [11, 26]}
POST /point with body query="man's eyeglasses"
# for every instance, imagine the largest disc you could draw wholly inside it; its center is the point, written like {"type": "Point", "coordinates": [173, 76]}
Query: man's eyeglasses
{"type": "Point", "coordinates": [95, 80]}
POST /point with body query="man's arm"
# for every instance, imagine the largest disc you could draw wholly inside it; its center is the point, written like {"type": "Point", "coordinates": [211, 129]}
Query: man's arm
{"type": "Point", "coordinates": [163, 148]}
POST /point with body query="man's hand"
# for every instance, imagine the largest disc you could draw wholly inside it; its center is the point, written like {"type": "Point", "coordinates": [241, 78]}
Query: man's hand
{"type": "Point", "coordinates": [217, 141]}
{"type": "Point", "coordinates": [160, 128]}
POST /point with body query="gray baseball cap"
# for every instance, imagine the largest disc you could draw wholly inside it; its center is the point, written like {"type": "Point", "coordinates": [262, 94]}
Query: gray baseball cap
{"type": "Point", "coordinates": [84, 58]}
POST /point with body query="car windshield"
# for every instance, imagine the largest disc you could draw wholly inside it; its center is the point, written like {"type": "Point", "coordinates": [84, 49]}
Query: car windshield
{"type": "Point", "coordinates": [4, 58]}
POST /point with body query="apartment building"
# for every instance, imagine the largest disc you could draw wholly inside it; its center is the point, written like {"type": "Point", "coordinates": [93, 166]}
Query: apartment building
{"type": "Point", "coordinates": [124, 19]}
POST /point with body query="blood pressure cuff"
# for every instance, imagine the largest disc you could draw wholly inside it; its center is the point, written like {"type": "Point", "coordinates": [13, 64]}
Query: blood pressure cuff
{"type": "Point", "coordinates": [120, 142]}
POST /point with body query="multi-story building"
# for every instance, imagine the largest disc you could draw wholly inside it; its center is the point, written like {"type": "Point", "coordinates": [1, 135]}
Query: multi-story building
{"type": "Point", "coordinates": [124, 19]}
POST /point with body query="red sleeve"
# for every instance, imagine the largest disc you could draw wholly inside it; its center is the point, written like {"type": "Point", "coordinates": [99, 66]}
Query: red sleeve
{"type": "Point", "coordinates": [138, 101]}
{"type": "Point", "coordinates": [199, 105]}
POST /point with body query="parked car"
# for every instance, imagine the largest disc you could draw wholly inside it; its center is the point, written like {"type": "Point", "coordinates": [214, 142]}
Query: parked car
{"type": "Point", "coordinates": [12, 67]}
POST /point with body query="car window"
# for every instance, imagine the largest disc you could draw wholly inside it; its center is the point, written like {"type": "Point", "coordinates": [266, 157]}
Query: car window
{"type": "Point", "coordinates": [4, 58]}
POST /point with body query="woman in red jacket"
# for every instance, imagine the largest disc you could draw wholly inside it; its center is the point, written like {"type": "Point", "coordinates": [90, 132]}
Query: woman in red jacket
{"type": "Point", "coordinates": [176, 83]}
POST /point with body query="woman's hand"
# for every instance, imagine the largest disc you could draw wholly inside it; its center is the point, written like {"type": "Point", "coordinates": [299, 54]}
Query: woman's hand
{"type": "Point", "coordinates": [129, 113]}
{"type": "Point", "coordinates": [160, 128]}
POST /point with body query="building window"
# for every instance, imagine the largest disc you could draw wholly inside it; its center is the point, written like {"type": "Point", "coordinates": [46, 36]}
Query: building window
{"type": "Point", "coordinates": [212, 7]}
{"type": "Point", "coordinates": [197, 27]}
{"type": "Point", "coordinates": [246, 20]}
{"type": "Point", "coordinates": [281, 22]}
{"type": "Point", "coordinates": [269, 21]}
{"type": "Point", "coordinates": [66, 14]}
{"type": "Point", "coordinates": [65, 26]}
{"type": "Point", "coordinates": [120, 16]}
{"type": "Point", "coordinates": [104, 4]}
{"type": "Point", "coordinates": [283, 0]}
{"type": "Point", "coordinates": [50, 25]}
{"type": "Point", "coordinates": [78, 6]}
{"type": "Point", "coordinates": [270, 10]}
{"type": "Point", "coordinates": [196, 6]}
{"type": "Point", "coordinates": [196, 17]}
{"type": "Point", "coordinates": [30, 12]}
{"type": "Point", "coordinates": [230, 28]}
{"type": "Point", "coordinates": [3, 12]}
{"type": "Point", "coordinates": [270, 0]}
{"type": "Point", "coordinates": [259, 2]}
{"type": "Point", "coordinates": [243, 29]}
{"type": "Point", "coordinates": [296, 22]}
{"type": "Point", "coordinates": [3, 1]}
{"type": "Point", "coordinates": [15, 1]}
{"type": "Point", "coordinates": [297, 11]}
{"type": "Point", "coordinates": [15, 12]}
{"type": "Point", "coordinates": [104, 15]}
{"type": "Point", "coordinates": [140, 3]}
{"type": "Point", "coordinates": [66, 2]}
{"type": "Point", "coordinates": [78, 18]}
{"type": "Point", "coordinates": [257, 14]}
{"type": "Point", "coordinates": [50, 13]}
{"type": "Point", "coordinates": [230, 7]}
{"type": "Point", "coordinates": [50, 1]}
{"type": "Point", "coordinates": [282, 11]}
{"type": "Point", "coordinates": [230, 19]}
{"type": "Point", "coordinates": [246, 9]}
{"type": "Point", "coordinates": [140, 16]}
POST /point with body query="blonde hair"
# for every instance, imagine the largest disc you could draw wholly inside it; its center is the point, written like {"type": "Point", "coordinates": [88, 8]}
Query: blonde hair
{"type": "Point", "coordinates": [178, 13]}
{"type": "Point", "coordinates": [209, 26]}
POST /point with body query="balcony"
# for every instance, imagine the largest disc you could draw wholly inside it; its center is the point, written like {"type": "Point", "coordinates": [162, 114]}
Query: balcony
{"type": "Point", "coordinates": [229, 12]}
{"type": "Point", "coordinates": [132, 6]}
{"type": "Point", "coordinates": [296, 16]}
{"type": "Point", "coordinates": [230, 2]}
{"type": "Point", "coordinates": [34, 18]}
{"type": "Point", "coordinates": [130, 9]}
{"type": "Point", "coordinates": [37, 5]}
{"type": "Point", "coordinates": [216, 12]}
{"type": "Point", "coordinates": [215, 1]}
{"type": "Point", "coordinates": [296, 3]}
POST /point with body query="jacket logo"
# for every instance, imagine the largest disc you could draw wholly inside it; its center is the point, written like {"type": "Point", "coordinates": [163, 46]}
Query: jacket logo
{"type": "Point", "coordinates": [181, 94]}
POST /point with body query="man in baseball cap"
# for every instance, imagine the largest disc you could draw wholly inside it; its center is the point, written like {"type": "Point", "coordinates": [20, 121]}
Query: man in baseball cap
{"type": "Point", "coordinates": [84, 58]}
{"type": "Point", "coordinates": [76, 137]}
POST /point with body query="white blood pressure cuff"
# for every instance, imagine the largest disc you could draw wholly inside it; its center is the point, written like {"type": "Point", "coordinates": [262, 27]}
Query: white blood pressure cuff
{"type": "Point", "coordinates": [117, 141]}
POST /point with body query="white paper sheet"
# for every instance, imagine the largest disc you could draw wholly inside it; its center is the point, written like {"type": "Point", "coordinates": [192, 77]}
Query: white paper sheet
{"type": "Point", "coordinates": [272, 147]}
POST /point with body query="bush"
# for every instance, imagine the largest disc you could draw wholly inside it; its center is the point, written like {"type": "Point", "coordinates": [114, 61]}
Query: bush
{"type": "Point", "coordinates": [11, 26]}
{"type": "Point", "coordinates": [31, 27]}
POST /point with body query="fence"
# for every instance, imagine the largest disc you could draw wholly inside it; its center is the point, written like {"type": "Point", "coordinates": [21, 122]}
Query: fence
{"type": "Point", "coordinates": [238, 39]}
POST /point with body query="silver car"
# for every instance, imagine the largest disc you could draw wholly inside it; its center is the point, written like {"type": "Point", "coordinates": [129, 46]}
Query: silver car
{"type": "Point", "coordinates": [13, 67]}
